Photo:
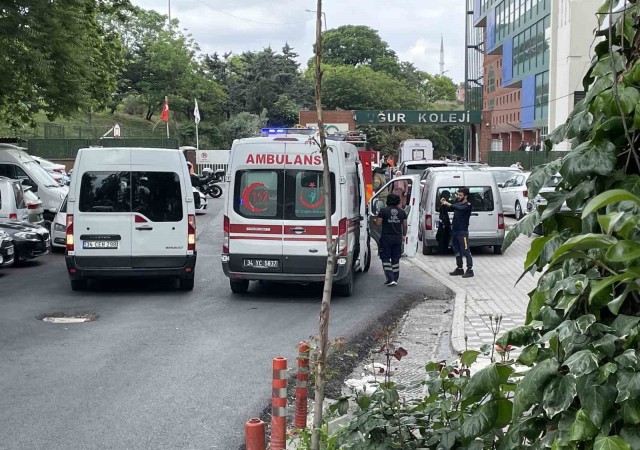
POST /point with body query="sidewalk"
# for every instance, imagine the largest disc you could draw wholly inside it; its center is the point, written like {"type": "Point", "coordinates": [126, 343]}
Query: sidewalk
{"type": "Point", "coordinates": [492, 291]}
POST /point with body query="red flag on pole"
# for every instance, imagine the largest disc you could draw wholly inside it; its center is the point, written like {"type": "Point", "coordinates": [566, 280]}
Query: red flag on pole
{"type": "Point", "coordinates": [164, 115]}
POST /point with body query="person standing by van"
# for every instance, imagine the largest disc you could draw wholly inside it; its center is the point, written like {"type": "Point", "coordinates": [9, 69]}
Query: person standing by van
{"type": "Point", "coordinates": [461, 215]}
{"type": "Point", "coordinates": [393, 220]}
{"type": "Point", "coordinates": [401, 188]}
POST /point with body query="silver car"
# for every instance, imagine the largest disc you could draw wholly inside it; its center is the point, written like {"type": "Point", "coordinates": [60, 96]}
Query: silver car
{"type": "Point", "coordinates": [35, 210]}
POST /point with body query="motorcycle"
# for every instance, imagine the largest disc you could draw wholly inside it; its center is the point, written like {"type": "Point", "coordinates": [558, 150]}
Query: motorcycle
{"type": "Point", "coordinates": [207, 184]}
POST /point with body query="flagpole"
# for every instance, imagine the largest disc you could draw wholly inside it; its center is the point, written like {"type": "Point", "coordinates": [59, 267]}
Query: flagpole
{"type": "Point", "coordinates": [167, 129]}
{"type": "Point", "coordinates": [197, 142]}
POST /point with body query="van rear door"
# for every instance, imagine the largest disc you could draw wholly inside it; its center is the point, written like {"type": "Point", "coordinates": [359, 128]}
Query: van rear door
{"type": "Point", "coordinates": [102, 218]}
{"type": "Point", "coordinates": [304, 235]}
{"type": "Point", "coordinates": [159, 228]}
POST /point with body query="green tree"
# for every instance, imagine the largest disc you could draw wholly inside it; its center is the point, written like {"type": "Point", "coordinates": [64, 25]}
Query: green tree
{"type": "Point", "coordinates": [283, 113]}
{"type": "Point", "coordinates": [358, 45]}
{"type": "Point", "coordinates": [348, 87]}
{"type": "Point", "coordinates": [437, 88]}
{"type": "Point", "coordinates": [57, 57]}
{"type": "Point", "coordinates": [242, 125]}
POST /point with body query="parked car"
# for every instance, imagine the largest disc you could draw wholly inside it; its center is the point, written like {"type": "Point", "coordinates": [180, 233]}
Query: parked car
{"type": "Point", "coordinates": [486, 227]}
{"type": "Point", "coordinates": [17, 164]}
{"type": "Point", "coordinates": [501, 174]}
{"type": "Point", "coordinates": [418, 166]}
{"type": "Point", "coordinates": [57, 171]}
{"type": "Point", "coordinates": [35, 211]}
{"type": "Point", "coordinates": [549, 186]}
{"type": "Point", "coordinates": [7, 250]}
{"type": "Point", "coordinates": [59, 227]}
{"type": "Point", "coordinates": [12, 204]}
{"type": "Point", "coordinates": [515, 195]}
{"type": "Point", "coordinates": [30, 240]}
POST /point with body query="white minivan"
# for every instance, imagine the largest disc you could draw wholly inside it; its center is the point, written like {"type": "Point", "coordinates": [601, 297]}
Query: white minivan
{"type": "Point", "coordinates": [486, 226]}
{"type": "Point", "coordinates": [130, 213]}
{"type": "Point", "coordinates": [274, 213]}
{"type": "Point", "coordinates": [17, 164]}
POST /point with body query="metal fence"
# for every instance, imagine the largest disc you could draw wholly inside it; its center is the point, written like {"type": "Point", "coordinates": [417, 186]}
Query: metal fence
{"type": "Point", "coordinates": [527, 159]}
{"type": "Point", "coordinates": [199, 167]}
{"type": "Point", "coordinates": [68, 148]}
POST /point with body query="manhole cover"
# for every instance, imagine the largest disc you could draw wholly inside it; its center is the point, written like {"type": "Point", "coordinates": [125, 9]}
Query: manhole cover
{"type": "Point", "coordinates": [68, 318]}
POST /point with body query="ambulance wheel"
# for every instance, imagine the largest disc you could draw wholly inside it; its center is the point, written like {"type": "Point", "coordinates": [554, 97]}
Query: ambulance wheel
{"type": "Point", "coordinates": [426, 250]}
{"type": "Point", "coordinates": [78, 285]}
{"type": "Point", "coordinates": [239, 287]}
{"type": "Point", "coordinates": [345, 288]}
{"type": "Point", "coordinates": [367, 261]}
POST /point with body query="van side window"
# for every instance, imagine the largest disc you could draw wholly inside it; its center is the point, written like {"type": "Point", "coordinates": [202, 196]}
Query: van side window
{"type": "Point", "coordinates": [107, 192]}
{"type": "Point", "coordinates": [303, 195]}
{"type": "Point", "coordinates": [257, 192]}
{"type": "Point", "coordinates": [6, 170]}
{"type": "Point", "coordinates": [157, 195]}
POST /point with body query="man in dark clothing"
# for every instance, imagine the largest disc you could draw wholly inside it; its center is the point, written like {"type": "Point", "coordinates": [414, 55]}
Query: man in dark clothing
{"type": "Point", "coordinates": [393, 220]}
{"type": "Point", "coordinates": [443, 235]}
{"type": "Point", "coordinates": [461, 215]}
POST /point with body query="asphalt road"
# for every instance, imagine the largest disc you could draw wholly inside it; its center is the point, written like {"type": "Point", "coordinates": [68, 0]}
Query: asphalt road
{"type": "Point", "coordinates": [159, 368]}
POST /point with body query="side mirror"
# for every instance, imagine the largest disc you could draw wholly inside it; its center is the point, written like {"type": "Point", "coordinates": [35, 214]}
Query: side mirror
{"type": "Point", "coordinates": [500, 185]}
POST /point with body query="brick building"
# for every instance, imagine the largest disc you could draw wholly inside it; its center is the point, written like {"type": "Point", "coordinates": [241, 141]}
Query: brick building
{"type": "Point", "coordinates": [334, 121]}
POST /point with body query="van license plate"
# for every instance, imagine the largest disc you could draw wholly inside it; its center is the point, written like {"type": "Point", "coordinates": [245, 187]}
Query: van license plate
{"type": "Point", "coordinates": [100, 244]}
{"type": "Point", "coordinates": [260, 263]}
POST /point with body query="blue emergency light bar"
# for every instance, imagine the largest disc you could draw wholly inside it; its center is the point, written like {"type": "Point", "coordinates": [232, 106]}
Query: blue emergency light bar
{"type": "Point", "coordinates": [285, 131]}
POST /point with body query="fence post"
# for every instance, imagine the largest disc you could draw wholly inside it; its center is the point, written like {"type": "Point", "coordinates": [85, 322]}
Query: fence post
{"type": "Point", "coordinates": [302, 389]}
{"type": "Point", "coordinates": [279, 404]}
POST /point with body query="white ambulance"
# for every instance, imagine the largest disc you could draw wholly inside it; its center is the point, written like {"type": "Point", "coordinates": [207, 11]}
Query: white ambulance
{"type": "Point", "coordinates": [274, 226]}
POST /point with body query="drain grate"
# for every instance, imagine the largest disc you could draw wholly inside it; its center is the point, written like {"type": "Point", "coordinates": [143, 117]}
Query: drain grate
{"type": "Point", "coordinates": [68, 317]}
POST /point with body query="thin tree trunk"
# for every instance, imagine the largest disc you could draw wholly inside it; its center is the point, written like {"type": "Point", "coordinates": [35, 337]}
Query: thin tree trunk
{"type": "Point", "coordinates": [331, 249]}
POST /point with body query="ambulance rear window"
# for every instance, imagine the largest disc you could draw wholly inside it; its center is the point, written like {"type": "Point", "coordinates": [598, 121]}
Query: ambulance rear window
{"type": "Point", "coordinates": [304, 197]}
{"type": "Point", "coordinates": [256, 193]}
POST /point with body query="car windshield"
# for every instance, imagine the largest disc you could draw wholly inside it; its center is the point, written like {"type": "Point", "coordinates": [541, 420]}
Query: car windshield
{"type": "Point", "coordinates": [416, 169]}
{"type": "Point", "coordinates": [39, 175]}
{"type": "Point", "coordinates": [501, 176]}
{"type": "Point", "coordinates": [553, 182]}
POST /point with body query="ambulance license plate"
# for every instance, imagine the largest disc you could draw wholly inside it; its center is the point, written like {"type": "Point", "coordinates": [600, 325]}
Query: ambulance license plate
{"type": "Point", "coordinates": [260, 263]}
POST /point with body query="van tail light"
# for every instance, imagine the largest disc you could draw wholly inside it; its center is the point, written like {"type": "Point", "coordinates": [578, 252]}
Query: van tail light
{"type": "Point", "coordinates": [428, 222]}
{"type": "Point", "coordinates": [191, 226]}
{"type": "Point", "coordinates": [13, 216]}
{"type": "Point", "coordinates": [32, 206]}
{"type": "Point", "coordinates": [70, 246]}
{"type": "Point", "coordinates": [500, 221]}
{"type": "Point", "coordinates": [225, 239]}
{"type": "Point", "coordinates": [343, 237]}
{"type": "Point", "coordinates": [525, 193]}
{"type": "Point", "coordinates": [58, 169]}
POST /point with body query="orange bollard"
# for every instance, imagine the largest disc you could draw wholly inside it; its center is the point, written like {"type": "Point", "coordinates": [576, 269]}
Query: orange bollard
{"type": "Point", "coordinates": [254, 434]}
{"type": "Point", "coordinates": [302, 389]}
{"type": "Point", "coordinates": [279, 404]}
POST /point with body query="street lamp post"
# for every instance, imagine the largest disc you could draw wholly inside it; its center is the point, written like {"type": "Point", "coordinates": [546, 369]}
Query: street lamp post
{"type": "Point", "coordinates": [324, 17]}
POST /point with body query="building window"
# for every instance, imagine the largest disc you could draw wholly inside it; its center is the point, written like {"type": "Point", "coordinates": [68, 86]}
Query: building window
{"type": "Point", "coordinates": [542, 96]}
{"type": "Point", "coordinates": [492, 80]}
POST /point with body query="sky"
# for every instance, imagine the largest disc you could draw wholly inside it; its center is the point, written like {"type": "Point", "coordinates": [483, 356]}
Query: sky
{"type": "Point", "coordinates": [412, 28]}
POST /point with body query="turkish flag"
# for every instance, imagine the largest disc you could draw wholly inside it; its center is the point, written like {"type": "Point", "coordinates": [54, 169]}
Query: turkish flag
{"type": "Point", "coordinates": [164, 115]}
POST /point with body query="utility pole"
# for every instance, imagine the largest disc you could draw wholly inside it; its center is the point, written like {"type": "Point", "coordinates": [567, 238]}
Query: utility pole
{"type": "Point", "coordinates": [169, 1]}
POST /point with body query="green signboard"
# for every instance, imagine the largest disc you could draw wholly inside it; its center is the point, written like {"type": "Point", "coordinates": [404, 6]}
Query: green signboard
{"type": "Point", "coordinates": [395, 117]}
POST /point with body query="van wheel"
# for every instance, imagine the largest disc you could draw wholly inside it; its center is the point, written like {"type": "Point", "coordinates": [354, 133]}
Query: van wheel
{"type": "Point", "coordinates": [518, 211]}
{"type": "Point", "coordinates": [497, 249]}
{"type": "Point", "coordinates": [345, 288]}
{"type": "Point", "coordinates": [426, 250]}
{"type": "Point", "coordinates": [186, 284]}
{"type": "Point", "coordinates": [239, 287]}
{"type": "Point", "coordinates": [78, 285]}
{"type": "Point", "coordinates": [367, 261]}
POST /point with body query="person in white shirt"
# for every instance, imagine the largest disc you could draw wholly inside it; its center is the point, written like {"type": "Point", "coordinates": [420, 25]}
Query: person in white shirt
{"type": "Point", "coordinates": [516, 165]}
{"type": "Point", "coordinates": [527, 148]}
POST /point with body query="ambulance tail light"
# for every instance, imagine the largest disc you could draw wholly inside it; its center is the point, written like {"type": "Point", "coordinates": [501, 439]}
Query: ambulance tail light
{"type": "Point", "coordinates": [225, 239]}
{"type": "Point", "coordinates": [428, 222]}
{"type": "Point", "coordinates": [191, 227]}
{"type": "Point", "coordinates": [69, 237]}
{"type": "Point", "coordinates": [343, 237]}
{"type": "Point", "coordinates": [500, 221]}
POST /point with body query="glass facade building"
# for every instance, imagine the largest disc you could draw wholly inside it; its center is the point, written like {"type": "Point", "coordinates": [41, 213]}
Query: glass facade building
{"type": "Point", "coordinates": [473, 86]}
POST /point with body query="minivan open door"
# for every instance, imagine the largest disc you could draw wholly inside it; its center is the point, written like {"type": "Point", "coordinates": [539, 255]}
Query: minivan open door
{"type": "Point", "coordinates": [411, 206]}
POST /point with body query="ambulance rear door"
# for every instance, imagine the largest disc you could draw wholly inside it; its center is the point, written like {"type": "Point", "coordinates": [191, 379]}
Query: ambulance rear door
{"type": "Point", "coordinates": [255, 210]}
{"type": "Point", "coordinates": [304, 234]}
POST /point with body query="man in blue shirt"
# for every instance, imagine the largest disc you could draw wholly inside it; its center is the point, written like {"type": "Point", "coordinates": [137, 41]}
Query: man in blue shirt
{"type": "Point", "coordinates": [460, 229]}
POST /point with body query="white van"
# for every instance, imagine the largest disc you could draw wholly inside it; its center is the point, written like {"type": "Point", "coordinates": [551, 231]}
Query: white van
{"type": "Point", "coordinates": [17, 164]}
{"type": "Point", "coordinates": [130, 213]}
{"type": "Point", "coordinates": [486, 226]}
{"type": "Point", "coordinates": [415, 149]}
{"type": "Point", "coordinates": [274, 226]}
{"type": "Point", "coordinates": [12, 202]}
